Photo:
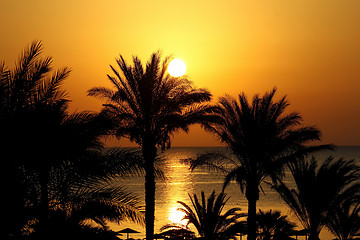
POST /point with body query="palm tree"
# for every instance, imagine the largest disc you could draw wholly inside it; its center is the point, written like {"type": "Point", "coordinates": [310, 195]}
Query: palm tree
{"type": "Point", "coordinates": [344, 221]}
{"type": "Point", "coordinates": [30, 99]}
{"type": "Point", "coordinates": [319, 190]}
{"type": "Point", "coordinates": [39, 137]}
{"type": "Point", "coordinates": [176, 231]}
{"type": "Point", "coordinates": [147, 106]}
{"type": "Point", "coordinates": [83, 196]}
{"type": "Point", "coordinates": [91, 210]}
{"type": "Point", "coordinates": [208, 220]}
{"type": "Point", "coordinates": [271, 225]}
{"type": "Point", "coordinates": [262, 138]}
{"type": "Point", "coordinates": [31, 83]}
{"type": "Point", "coordinates": [64, 227]}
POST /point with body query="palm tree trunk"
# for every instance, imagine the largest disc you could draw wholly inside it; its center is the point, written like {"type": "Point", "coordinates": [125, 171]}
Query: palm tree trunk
{"type": "Point", "coordinates": [252, 195]}
{"type": "Point", "coordinates": [149, 154]}
{"type": "Point", "coordinates": [251, 220]}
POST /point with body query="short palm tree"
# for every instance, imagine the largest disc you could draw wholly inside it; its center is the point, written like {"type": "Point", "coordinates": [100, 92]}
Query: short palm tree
{"type": "Point", "coordinates": [320, 188]}
{"type": "Point", "coordinates": [65, 227]}
{"type": "Point", "coordinates": [177, 231]}
{"type": "Point", "coordinates": [147, 106]}
{"type": "Point", "coordinates": [344, 221]}
{"type": "Point", "coordinates": [206, 216]}
{"type": "Point", "coordinates": [262, 138]}
{"type": "Point", "coordinates": [273, 226]}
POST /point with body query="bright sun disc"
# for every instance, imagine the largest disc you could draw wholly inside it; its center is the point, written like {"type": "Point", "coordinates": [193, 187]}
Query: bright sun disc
{"type": "Point", "coordinates": [176, 216]}
{"type": "Point", "coordinates": [176, 68]}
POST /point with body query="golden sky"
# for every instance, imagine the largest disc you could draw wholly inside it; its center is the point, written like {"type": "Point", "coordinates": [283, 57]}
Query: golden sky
{"type": "Point", "coordinates": [309, 49]}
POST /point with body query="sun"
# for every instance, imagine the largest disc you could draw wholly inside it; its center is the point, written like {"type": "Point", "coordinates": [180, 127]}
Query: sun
{"type": "Point", "coordinates": [177, 68]}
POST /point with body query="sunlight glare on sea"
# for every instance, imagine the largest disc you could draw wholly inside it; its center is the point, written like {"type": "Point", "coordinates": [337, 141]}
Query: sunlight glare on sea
{"type": "Point", "coordinates": [180, 182]}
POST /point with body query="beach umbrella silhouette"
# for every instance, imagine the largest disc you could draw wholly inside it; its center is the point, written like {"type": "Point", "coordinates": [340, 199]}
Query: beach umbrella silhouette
{"type": "Point", "coordinates": [303, 232]}
{"type": "Point", "coordinates": [127, 231]}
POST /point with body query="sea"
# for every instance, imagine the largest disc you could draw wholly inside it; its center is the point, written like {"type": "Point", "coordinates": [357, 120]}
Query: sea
{"type": "Point", "coordinates": [180, 181]}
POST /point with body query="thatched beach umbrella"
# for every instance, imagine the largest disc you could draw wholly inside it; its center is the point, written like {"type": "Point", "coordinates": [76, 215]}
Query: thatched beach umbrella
{"type": "Point", "coordinates": [127, 231]}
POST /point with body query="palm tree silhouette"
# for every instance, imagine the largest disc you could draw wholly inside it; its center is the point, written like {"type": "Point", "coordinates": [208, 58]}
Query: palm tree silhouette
{"type": "Point", "coordinates": [83, 191]}
{"type": "Point", "coordinates": [176, 232]}
{"type": "Point", "coordinates": [30, 98]}
{"type": "Point", "coordinates": [320, 188]}
{"type": "Point", "coordinates": [272, 225]}
{"type": "Point", "coordinates": [262, 138]}
{"type": "Point", "coordinates": [38, 136]}
{"type": "Point", "coordinates": [344, 221]}
{"type": "Point", "coordinates": [208, 219]}
{"type": "Point", "coordinates": [64, 227]}
{"type": "Point", "coordinates": [147, 106]}
{"type": "Point", "coordinates": [31, 81]}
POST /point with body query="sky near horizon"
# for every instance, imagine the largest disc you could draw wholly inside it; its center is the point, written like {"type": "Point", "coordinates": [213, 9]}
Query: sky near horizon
{"type": "Point", "coordinates": [309, 50]}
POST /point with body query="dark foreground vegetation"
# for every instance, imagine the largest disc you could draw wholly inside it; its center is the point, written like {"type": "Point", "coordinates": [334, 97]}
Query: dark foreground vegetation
{"type": "Point", "coordinates": [58, 179]}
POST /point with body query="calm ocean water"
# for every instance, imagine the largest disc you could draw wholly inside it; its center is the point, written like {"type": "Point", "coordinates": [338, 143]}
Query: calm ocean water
{"type": "Point", "coordinates": [180, 182]}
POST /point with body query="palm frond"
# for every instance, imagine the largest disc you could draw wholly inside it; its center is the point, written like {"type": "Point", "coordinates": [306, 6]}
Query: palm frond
{"type": "Point", "coordinates": [319, 189]}
{"type": "Point", "coordinates": [344, 221]}
{"type": "Point", "coordinates": [103, 202]}
{"type": "Point", "coordinates": [207, 217]}
{"type": "Point", "coordinates": [213, 161]}
{"type": "Point", "coordinates": [240, 175]}
{"type": "Point", "coordinates": [101, 92]}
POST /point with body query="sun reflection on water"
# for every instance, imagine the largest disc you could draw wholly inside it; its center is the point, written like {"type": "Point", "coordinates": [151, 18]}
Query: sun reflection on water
{"type": "Point", "coordinates": [176, 216]}
{"type": "Point", "coordinates": [179, 184]}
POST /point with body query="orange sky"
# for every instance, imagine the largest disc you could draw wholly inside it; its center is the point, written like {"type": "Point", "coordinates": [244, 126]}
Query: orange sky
{"type": "Point", "coordinates": [309, 49]}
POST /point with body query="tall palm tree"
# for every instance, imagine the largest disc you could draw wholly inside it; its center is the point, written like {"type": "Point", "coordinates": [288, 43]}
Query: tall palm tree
{"type": "Point", "coordinates": [208, 219]}
{"type": "Point", "coordinates": [38, 134]}
{"type": "Point", "coordinates": [272, 225]}
{"type": "Point", "coordinates": [147, 106]}
{"type": "Point", "coordinates": [319, 189]}
{"type": "Point", "coordinates": [262, 138]}
{"type": "Point", "coordinates": [30, 99]}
